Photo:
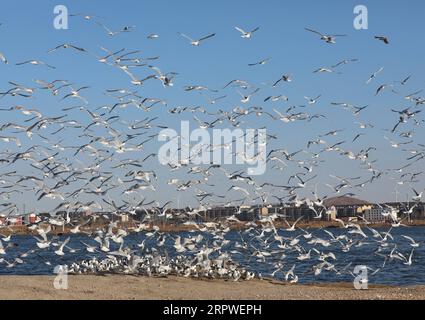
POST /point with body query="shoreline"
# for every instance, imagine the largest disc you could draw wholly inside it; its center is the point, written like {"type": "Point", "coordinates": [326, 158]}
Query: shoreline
{"type": "Point", "coordinates": [23, 230]}
{"type": "Point", "coordinates": [126, 287]}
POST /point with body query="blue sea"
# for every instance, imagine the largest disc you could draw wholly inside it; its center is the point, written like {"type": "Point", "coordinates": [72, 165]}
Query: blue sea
{"type": "Point", "coordinates": [43, 261]}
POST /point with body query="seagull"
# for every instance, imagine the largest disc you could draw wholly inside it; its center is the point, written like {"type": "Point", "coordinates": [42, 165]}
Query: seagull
{"type": "Point", "coordinates": [383, 39]}
{"type": "Point", "coordinates": [411, 97]}
{"type": "Point", "coordinates": [3, 58]}
{"type": "Point", "coordinates": [322, 70]}
{"type": "Point", "coordinates": [59, 251]}
{"type": "Point", "coordinates": [2, 249]}
{"type": "Point", "coordinates": [153, 36]}
{"type": "Point", "coordinates": [236, 188]}
{"type": "Point", "coordinates": [241, 83]}
{"type": "Point", "coordinates": [312, 100]}
{"type": "Point", "coordinates": [382, 87]}
{"type": "Point", "coordinates": [276, 98]}
{"type": "Point", "coordinates": [113, 33]}
{"type": "Point", "coordinates": [327, 38]}
{"type": "Point", "coordinates": [413, 243]}
{"type": "Point", "coordinates": [418, 196]}
{"type": "Point", "coordinates": [304, 256]}
{"type": "Point", "coordinates": [89, 248]}
{"type": "Point", "coordinates": [246, 98]}
{"type": "Point", "coordinates": [43, 243]}
{"type": "Point", "coordinates": [35, 63]}
{"type": "Point", "coordinates": [408, 261]}
{"type": "Point", "coordinates": [290, 274]}
{"type": "Point", "coordinates": [285, 77]}
{"type": "Point", "coordinates": [214, 100]}
{"type": "Point", "coordinates": [404, 81]}
{"type": "Point", "coordinates": [67, 46]}
{"type": "Point", "coordinates": [75, 94]}
{"type": "Point", "coordinates": [261, 62]}
{"type": "Point", "coordinates": [6, 239]}
{"type": "Point", "coordinates": [292, 228]}
{"type": "Point", "coordinates": [85, 16]}
{"type": "Point", "coordinates": [373, 75]}
{"type": "Point", "coordinates": [198, 41]}
{"type": "Point", "coordinates": [346, 61]}
{"type": "Point", "coordinates": [10, 139]}
{"type": "Point", "coordinates": [247, 35]}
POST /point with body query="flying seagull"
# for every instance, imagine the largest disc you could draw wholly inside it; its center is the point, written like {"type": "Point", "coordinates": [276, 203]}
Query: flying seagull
{"type": "Point", "coordinates": [153, 36]}
{"type": "Point", "coordinates": [261, 62]}
{"type": "Point", "coordinates": [373, 75]}
{"type": "Point", "coordinates": [285, 77]}
{"type": "Point", "coordinates": [246, 35]}
{"type": "Point", "coordinates": [67, 46]}
{"type": "Point", "coordinates": [35, 63]}
{"type": "Point", "coordinates": [325, 37]}
{"type": "Point", "coordinates": [383, 39]}
{"type": "Point", "coordinates": [198, 41]}
{"type": "Point", "coordinates": [3, 58]}
{"type": "Point", "coordinates": [313, 100]}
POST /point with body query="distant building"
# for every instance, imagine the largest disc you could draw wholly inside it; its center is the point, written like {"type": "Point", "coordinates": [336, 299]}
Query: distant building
{"type": "Point", "coordinates": [263, 211]}
{"type": "Point", "coordinates": [219, 213]}
{"type": "Point", "coordinates": [331, 213]}
{"type": "Point", "coordinates": [247, 213]}
{"type": "Point", "coordinates": [15, 221]}
{"type": "Point", "coordinates": [346, 206]}
{"type": "Point", "coordinates": [30, 218]}
{"type": "Point", "coordinates": [373, 215]}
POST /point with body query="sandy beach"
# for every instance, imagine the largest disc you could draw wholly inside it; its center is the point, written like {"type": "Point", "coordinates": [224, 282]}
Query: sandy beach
{"type": "Point", "coordinates": [142, 288]}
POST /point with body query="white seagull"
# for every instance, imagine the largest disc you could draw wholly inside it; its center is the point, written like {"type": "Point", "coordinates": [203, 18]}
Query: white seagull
{"type": "Point", "coordinates": [327, 38]}
{"type": "Point", "coordinates": [246, 35]}
{"type": "Point", "coordinates": [196, 42]}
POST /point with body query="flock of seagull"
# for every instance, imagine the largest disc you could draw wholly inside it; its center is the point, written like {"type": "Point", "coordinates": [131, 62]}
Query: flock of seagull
{"type": "Point", "coordinates": [87, 157]}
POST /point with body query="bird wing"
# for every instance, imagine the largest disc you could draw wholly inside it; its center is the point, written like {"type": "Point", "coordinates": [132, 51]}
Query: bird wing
{"type": "Point", "coordinates": [208, 36]}
{"type": "Point", "coordinates": [314, 31]}
{"type": "Point", "coordinates": [82, 88]}
{"type": "Point", "coordinates": [185, 36]}
{"type": "Point", "coordinates": [275, 84]}
{"type": "Point", "coordinates": [240, 30]}
{"type": "Point", "coordinates": [409, 238]}
{"type": "Point", "coordinates": [77, 48]}
{"type": "Point", "coordinates": [21, 63]}
{"type": "Point", "coordinates": [3, 58]}
{"type": "Point", "coordinates": [54, 49]}
{"type": "Point", "coordinates": [104, 27]}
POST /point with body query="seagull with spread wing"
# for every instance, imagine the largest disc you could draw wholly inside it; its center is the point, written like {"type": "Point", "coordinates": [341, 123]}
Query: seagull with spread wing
{"type": "Point", "coordinates": [197, 42]}
{"type": "Point", "coordinates": [328, 38]}
{"type": "Point", "coordinates": [245, 34]}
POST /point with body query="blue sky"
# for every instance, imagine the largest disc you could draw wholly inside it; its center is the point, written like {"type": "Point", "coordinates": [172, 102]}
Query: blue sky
{"type": "Point", "coordinates": [27, 33]}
